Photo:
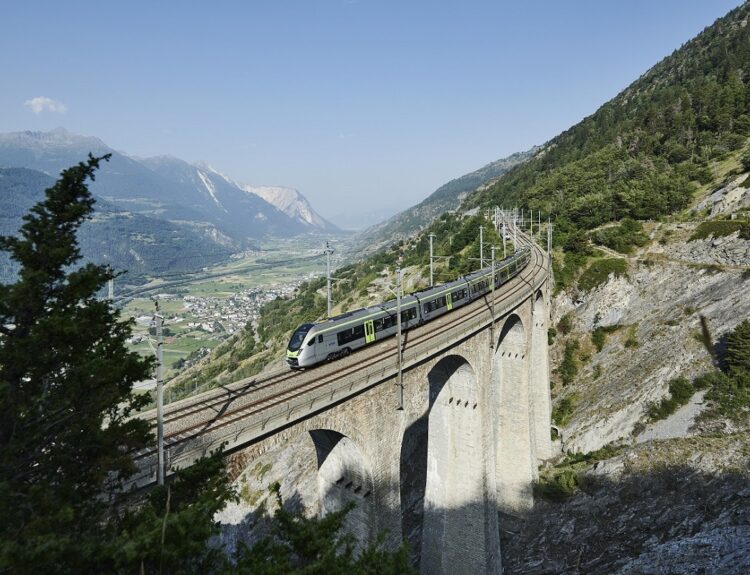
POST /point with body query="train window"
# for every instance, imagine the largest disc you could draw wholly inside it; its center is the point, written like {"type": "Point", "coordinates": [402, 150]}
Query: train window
{"type": "Point", "coordinates": [312, 341]}
{"type": "Point", "coordinates": [351, 334]}
{"type": "Point", "coordinates": [383, 323]}
{"type": "Point", "coordinates": [320, 338]}
{"type": "Point", "coordinates": [479, 286]}
{"type": "Point", "coordinates": [458, 295]}
{"type": "Point", "coordinates": [299, 336]}
{"type": "Point", "coordinates": [434, 304]}
{"type": "Point", "coordinates": [408, 314]}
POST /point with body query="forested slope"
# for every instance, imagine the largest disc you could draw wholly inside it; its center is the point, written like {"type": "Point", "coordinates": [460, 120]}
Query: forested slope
{"type": "Point", "coordinates": [646, 152]}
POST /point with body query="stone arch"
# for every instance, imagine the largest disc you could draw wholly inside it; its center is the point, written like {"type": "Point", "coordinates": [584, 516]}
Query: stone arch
{"type": "Point", "coordinates": [539, 389]}
{"type": "Point", "coordinates": [515, 467]}
{"type": "Point", "coordinates": [344, 477]}
{"type": "Point", "coordinates": [443, 473]}
{"type": "Point", "coordinates": [308, 462]}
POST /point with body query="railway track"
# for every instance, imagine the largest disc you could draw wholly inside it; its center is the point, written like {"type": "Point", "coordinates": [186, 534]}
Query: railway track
{"type": "Point", "coordinates": [218, 411]}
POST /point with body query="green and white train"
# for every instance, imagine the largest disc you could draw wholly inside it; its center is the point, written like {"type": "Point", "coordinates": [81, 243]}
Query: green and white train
{"type": "Point", "coordinates": [313, 343]}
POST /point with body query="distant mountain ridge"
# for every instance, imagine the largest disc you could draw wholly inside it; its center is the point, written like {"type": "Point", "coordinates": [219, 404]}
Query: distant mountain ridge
{"type": "Point", "coordinates": [153, 215]}
{"type": "Point", "coordinates": [135, 243]}
{"type": "Point", "coordinates": [164, 187]}
{"type": "Point", "coordinates": [446, 198]}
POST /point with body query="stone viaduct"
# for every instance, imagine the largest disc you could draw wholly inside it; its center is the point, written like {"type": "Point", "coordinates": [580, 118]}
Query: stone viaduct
{"type": "Point", "coordinates": [474, 427]}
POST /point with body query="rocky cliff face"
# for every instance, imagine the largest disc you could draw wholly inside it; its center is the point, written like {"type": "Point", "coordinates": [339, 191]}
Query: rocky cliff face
{"type": "Point", "coordinates": [669, 496]}
{"type": "Point", "coordinates": [293, 204]}
{"type": "Point", "coordinates": [658, 308]}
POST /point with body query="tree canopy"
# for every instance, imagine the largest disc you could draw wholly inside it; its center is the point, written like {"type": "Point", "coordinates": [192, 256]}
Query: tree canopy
{"type": "Point", "coordinates": [65, 383]}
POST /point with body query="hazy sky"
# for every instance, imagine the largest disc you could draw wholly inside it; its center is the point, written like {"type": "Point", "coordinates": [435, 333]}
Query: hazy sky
{"type": "Point", "coordinates": [358, 104]}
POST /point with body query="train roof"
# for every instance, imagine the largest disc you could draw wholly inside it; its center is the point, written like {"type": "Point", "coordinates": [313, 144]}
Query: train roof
{"type": "Point", "coordinates": [407, 300]}
{"type": "Point", "coordinates": [353, 316]}
{"type": "Point", "coordinates": [439, 289]}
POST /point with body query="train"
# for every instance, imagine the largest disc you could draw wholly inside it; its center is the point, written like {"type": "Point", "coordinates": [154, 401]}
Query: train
{"type": "Point", "coordinates": [314, 343]}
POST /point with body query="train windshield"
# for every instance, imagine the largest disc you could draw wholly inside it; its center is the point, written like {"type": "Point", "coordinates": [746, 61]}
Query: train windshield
{"type": "Point", "coordinates": [299, 336]}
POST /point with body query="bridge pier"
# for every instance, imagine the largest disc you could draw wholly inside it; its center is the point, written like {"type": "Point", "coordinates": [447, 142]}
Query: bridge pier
{"type": "Point", "coordinates": [539, 388]}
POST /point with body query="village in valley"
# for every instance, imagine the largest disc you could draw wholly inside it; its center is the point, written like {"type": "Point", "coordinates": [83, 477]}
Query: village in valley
{"type": "Point", "coordinates": [197, 320]}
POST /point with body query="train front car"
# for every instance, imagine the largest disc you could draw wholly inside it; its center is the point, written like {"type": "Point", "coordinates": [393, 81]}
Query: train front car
{"type": "Point", "coordinates": [294, 349]}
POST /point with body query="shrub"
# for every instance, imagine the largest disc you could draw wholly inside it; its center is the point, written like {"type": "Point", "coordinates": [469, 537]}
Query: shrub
{"type": "Point", "coordinates": [558, 488]}
{"type": "Point", "coordinates": [680, 392]}
{"type": "Point", "coordinates": [565, 325]}
{"type": "Point", "coordinates": [566, 270]}
{"type": "Point", "coordinates": [551, 334]}
{"type": "Point", "coordinates": [728, 396]}
{"type": "Point", "coordinates": [622, 238]}
{"type": "Point", "coordinates": [564, 409]}
{"type": "Point", "coordinates": [599, 335]}
{"type": "Point", "coordinates": [599, 271]}
{"type": "Point", "coordinates": [606, 452]}
{"type": "Point", "coordinates": [717, 229]}
{"type": "Point", "coordinates": [569, 366]}
{"type": "Point", "coordinates": [598, 338]}
{"type": "Point", "coordinates": [737, 356]}
{"type": "Point", "coordinates": [632, 339]}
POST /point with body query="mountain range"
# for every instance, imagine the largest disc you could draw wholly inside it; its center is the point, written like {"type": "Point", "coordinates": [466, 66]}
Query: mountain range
{"type": "Point", "coordinates": [148, 202]}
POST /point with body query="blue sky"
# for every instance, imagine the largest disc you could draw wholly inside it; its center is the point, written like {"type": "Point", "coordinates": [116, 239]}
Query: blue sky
{"type": "Point", "coordinates": [359, 104]}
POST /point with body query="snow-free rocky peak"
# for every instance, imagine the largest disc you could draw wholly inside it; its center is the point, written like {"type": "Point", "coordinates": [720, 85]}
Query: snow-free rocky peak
{"type": "Point", "coordinates": [292, 203]}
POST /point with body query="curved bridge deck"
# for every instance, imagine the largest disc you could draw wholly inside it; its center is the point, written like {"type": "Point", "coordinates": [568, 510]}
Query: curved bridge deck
{"type": "Point", "coordinates": [246, 411]}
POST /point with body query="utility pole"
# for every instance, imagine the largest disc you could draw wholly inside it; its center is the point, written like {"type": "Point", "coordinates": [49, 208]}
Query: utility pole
{"type": "Point", "coordinates": [531, 223]}
{"type": "Point", "coordinates": [505, 251]}
{"type": "Point", "coordinates": [328, 252]}
{"type": "Point", "coordinates": [398, 338]}
{"type": "Point", "coordinates": [492, 308]}
{"type": "Point", "coordinates": [549, 237]}
{"type": "Point", "coordinates": [432, 237]}
{"type": "Point", "coordinates": [159, 396]}
{"type": "Point", "coordinates": [481, 247]}
{"type": "Point", "coordinates": [515, 227]}
{"type": "Point", "coordinates": [539, 223]}
{"type": "Point", "coordinates": [111, 289]}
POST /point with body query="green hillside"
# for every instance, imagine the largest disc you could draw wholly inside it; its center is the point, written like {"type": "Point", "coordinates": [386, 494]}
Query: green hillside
{"type": "Point", "coordinates": [648, 151]}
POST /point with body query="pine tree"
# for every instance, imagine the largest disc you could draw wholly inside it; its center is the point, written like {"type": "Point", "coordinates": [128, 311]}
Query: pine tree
{"type": "Point", "coordinates": [301, 545]}
{"type": "Point", "coordinates": [738, 350]}
{"type": "Point", "coordinates": [65, 387]}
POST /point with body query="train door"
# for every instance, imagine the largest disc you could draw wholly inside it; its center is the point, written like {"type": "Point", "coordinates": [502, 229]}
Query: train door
{"type": "Point", "coordinates": [448, 301]}
{"type": "Point", "coordinates": [369, 332]}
